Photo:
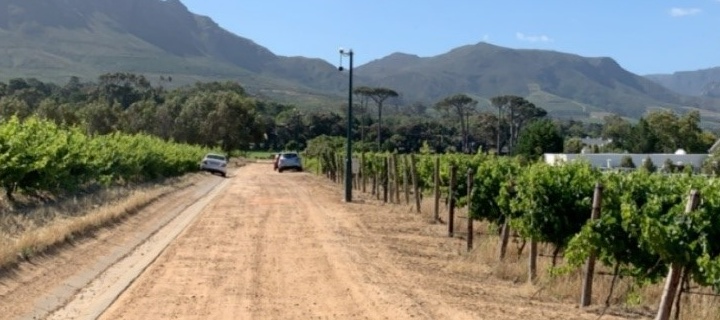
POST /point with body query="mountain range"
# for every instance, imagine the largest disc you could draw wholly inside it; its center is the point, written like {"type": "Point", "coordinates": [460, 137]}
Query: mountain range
{"type": "Point", "coordinates": [53, 40]}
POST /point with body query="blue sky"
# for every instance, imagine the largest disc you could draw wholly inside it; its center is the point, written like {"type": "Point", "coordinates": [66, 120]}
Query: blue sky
{"type": "Point", "coordinates": [644, 36]}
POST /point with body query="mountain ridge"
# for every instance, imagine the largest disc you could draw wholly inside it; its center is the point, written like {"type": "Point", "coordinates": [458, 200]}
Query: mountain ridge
{"type": "Point", "coordinates": [485, 69]}
{"type": "Point", "coordinates": [56, 39]}
{"type": "Point", "coordinates": [702, 82]}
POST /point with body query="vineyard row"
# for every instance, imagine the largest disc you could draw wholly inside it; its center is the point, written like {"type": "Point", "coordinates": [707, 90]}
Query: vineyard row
{"type": "Point", "coordinates": [643, 225]}
{"type": "Point", "coordinates": [38, 156]}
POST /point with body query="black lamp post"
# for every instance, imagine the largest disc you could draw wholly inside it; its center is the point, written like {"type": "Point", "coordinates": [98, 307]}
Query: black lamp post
{"type": "Point", "coordinates": [348, 157]}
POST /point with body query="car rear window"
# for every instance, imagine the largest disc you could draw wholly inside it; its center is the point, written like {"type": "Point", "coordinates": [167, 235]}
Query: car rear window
{"type": "Point", "coordinates": [290, 155]}
{"type": "Point", "coordinates": [216, 157]}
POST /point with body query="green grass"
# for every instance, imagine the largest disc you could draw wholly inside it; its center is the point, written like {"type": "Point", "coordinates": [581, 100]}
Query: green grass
{"type": "Point", "coordinates": [257, 155]}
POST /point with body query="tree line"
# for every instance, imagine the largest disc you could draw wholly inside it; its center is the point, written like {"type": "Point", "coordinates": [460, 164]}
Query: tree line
{"type": "Point", "coordinates": [224, 115]}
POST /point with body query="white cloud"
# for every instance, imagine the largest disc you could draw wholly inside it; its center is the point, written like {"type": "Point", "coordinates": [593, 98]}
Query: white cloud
{"type": "Point", "coordinates": [524, 37]}
{"type": "Point", "coordinates": [682, 12]}
{"type": "Point", "coordinates": [487, 36]}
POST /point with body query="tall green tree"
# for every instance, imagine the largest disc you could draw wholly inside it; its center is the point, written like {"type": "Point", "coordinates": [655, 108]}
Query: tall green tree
{"type": "Point", "coordinates": [518, 112]}
{"type": "Point", "coordinates": [377, 95]}
{"type": "Point", "coordinates": [664, 124]}
{"type": "Point", "coordinates": [14, 106]}
{"type": "Point", "coordinates": [290, 126]}
{"type": "Point", "coordinates": [318, 124]}
{"type": "Point", "coordinates": [123, 88]}
{"type": "Point", "coordinates": [462, 106]}
{"type": "Point", "coordinates": [484, 130]}
{"type": "Point", "coordinates": [166, 118]}
{"type": "Point", "coordinates": [59, 113]}
{"type": "Point", "coordinates": [539, 137]}
{"type": "Point", "coordinates": [100, 118]}
{"type": "Point", "coordinates": [139, 117]}
{"type": "Point", "coordinates": [618, 130]}
{"type": "Point", "coordinates": [362, 93]}
{"type": "Point", "coordinates": [233, 122]}
{"type": "Point", "coordinates": [189, 122]}
{"type": "Point", "coordinates": [74, 91]}
{"type": "Point", "coordinates": [573, 145]}
{"type": "Point", "coordinates": [642, 138]}
{"type": "Point", "coordinates": [690, 133]}
{"type": "Point", "coordinates": [674, 132]}
{"type": "Point", "coordinates": [501, 103]}
{"type": "Point", "coordinates": [16, 84]}
{"type": "Point", "coordinates": [522, 112]}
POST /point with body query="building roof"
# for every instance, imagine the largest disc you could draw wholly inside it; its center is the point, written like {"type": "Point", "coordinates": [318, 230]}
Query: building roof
{"type": "Point", "coordinates": [714, 147]}
{"type": "Point", "coordinates": [595, 141]}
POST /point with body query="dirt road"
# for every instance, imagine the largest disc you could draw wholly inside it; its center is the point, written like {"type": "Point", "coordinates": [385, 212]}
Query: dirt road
{"type": "Point", "coordinates": [265, 245]}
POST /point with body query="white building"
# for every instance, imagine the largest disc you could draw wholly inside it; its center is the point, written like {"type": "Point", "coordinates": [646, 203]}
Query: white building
{"type": "Point", "coordinates": [612, 160]}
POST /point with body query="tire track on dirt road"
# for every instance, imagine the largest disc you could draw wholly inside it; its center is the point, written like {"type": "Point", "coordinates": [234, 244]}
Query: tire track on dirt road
{"type": "Point", "coordinates": [49, 281]}
{"type": "Point", "coordinates": [95, 296]}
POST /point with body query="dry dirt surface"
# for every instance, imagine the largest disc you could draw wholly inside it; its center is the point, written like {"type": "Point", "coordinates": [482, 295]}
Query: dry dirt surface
{"type": "Point", "coordinates": [268, 245]}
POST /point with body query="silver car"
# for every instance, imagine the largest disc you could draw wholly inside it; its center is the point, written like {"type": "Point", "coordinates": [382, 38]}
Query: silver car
{"type": "Point", "coordinates": [214, 163]}
{"type": "Point", "coordinates": [289, 161]}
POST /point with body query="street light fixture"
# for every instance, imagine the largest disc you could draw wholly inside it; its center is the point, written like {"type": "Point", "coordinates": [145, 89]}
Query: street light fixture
{"type": "Point", "coordinates": [348, 156]}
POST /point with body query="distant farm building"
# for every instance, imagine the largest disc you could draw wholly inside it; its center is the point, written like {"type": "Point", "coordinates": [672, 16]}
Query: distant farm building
{"type": "Point", "coordinates": [613, 160]}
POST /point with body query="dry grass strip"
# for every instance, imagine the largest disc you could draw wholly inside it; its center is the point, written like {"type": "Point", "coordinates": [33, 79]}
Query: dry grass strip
{"type": "Point", "coordinates": [26, 234]}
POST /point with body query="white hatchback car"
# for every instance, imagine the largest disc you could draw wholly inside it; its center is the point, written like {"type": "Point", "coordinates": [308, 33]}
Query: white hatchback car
{"type": "Point", "coordinates": [289, 161]}
{"type": "Point", "coordinates": [215, 164]}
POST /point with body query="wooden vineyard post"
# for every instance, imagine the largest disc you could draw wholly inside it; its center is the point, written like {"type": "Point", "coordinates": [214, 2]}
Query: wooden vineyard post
{"type": "Point", "coordinates": [374, 183]}
{"type": "Point", "coordinates": [436, 189]}
{"type": "Point", "coordinates": [532, 261]}
{"type": "Point", "coordinates": [356, 176]}
{"type": "Point", "coordinates": [405, 179]}
{"type": "Point", "coordinates": [341, 169]}
{"type": "Point", "coordinates": [470, 228]}
{"type": "Point", "coordinates": [396, 178]}
{"type": "Point", "coordinates": [586, 297]}
{"type": "Point", "coordinates": [416, 187]}
{"type": "Point", "coordinates": [363, 173]}
{"type": "Point", "coordinates": [354, 181]}
{"type": "Point", "coordinates": [505, 233]}
{"type": "Point", "coordinates": [341, 161]}
{"type": "Point", "coordinates": [451, 202]}
{"type": "Point", "coordinates": [323, 166]}
{"type": "Point", "coordinates": [358, 181]}
{"type": "Point", "coordinates": [334, 168]}
{"type": "Point", "coordinates": [334, 173]}
{"type": "Point", "coordinates": [390, 178]}
{"type": "Point", "coordinates": [395, 184]}
{"type": "Point", "coordinates": [341, 165]}
{"type": "Point", "coordinates": [504, 238]}
{"type": "Point", "coordinates": [385, 178]}
{"type": "Point", "coordinates": [378, 182]}
{"type": "Point", "coordinates": [326, 165]}
{"type": "Point", "coordinates": [331, 166]}
{"type": "Point", "coordinates": [673, 279]}
{"type": "Point", "coordinates": [339, 175]}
